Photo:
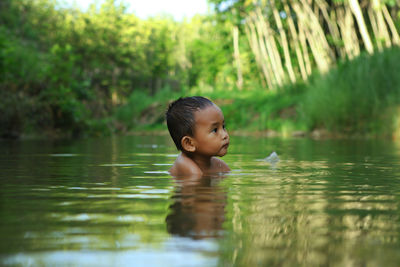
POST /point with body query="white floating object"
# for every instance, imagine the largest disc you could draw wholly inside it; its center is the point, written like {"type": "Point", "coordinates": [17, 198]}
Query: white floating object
{"type": "Point", "coordinates": [273, 158]}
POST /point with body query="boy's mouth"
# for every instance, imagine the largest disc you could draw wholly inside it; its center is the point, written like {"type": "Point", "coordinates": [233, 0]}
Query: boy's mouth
{"type": "Point", "coordinates": [226, 145]}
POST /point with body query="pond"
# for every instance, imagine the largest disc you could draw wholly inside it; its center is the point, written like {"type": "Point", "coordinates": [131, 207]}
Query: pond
{"type": "Point", "coordinates": [111, 202]}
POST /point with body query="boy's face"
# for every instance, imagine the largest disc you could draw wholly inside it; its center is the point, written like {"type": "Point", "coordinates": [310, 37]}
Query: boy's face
{"type": "Point", "coordinates": [210, 136]}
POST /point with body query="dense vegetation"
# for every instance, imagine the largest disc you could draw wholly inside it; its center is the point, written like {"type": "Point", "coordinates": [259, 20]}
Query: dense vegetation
{"type": "Point", "coordinates": [279, 67]}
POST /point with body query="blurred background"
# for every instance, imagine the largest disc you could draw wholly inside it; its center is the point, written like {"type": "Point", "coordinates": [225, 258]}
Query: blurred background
{"type": "Point", "coordinates": [289, 68]}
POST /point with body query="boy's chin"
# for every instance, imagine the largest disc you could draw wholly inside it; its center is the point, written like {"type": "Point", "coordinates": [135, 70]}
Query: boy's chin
{"type": "Point", "coordinates": [222, 153]}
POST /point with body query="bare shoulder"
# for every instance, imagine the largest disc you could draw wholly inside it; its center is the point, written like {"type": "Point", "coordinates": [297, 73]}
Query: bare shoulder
{"type": "Point", "coordinates": [184, 166]}
{"type": "Point", "coordinates": [219, 165]}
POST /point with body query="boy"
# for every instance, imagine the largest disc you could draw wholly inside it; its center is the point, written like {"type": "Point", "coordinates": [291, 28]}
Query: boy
{"type": "Point", "coordinates": [197, 127]}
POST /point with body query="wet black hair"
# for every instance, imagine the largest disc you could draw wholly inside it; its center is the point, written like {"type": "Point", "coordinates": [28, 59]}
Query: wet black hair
{"type": "Point", "coordinates": [180, 117]}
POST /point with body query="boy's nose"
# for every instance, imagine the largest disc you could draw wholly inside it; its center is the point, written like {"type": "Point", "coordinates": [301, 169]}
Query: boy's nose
{"type": "Point", "coordinates": [225, 135]}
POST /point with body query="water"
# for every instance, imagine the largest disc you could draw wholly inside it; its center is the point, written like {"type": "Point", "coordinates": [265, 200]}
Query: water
{"type": "Point", "coordinates": [111, 202]}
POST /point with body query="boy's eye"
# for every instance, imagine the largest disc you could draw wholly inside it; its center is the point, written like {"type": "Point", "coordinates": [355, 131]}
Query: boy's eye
{"type": "Point", "coordinates": [215, 130]}
{"type": "Point", "coordinates": [223, 126]}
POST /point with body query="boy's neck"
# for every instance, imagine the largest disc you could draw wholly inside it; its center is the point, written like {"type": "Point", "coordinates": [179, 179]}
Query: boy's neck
{"type": "Point", "coordinates": [203, 162]}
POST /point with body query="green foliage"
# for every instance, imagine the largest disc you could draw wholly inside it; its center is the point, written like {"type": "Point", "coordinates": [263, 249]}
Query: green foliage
{"type": "Point", "coordinates": [144, 110]}
{"type": "Point", "coordinates": [258, 109]}
{"type": "Point", "coordinates": [210, 55]}
{"type": "Point", "coordinates": [68, 72]}
{"type": "Point", "coordinates": [75, 69]}
{"type": "Point", "coordinates": [355, 96]}
{"type": "Point", "coordinates": [243, 110]}
{"type": "Point", "coordinates": [21, 67]}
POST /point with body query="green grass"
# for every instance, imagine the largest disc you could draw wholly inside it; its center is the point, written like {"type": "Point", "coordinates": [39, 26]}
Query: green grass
{"type": "Point", "coordinates": [143, 111]}
{"type": "Point", "coordinates": [260, 110]}
{"type": "Point", "coordinates": [251, 110]}
{"type": "Point", "coordinates": [356, 97]}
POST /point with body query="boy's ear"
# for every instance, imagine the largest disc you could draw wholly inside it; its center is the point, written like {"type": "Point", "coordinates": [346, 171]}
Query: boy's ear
{"type": "Point", "coordinates": [187, 143]}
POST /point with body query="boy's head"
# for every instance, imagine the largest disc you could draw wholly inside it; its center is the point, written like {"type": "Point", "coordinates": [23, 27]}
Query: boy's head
{"type": "Point", "coordinates": [180, 117]}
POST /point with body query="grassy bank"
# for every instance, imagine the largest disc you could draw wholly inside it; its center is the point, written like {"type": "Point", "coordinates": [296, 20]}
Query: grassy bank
{"type": "Point", "coordinates": [248, 111]}
{"type": "Point", "coordinates": [357, 98]}
{"type": "Point", "coordinates": [360, 97]}
{"type": "Point", "coordinates": [66, 72]}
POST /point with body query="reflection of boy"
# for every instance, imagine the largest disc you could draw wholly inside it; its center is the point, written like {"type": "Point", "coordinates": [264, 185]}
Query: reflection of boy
{"type": "Point", "coordinates": [197, 127]}
{"type": "Point", "coordinates": [198, 208]}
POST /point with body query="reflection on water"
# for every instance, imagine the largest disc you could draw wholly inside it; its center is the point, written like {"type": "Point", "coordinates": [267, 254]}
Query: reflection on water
{"type": "Point", "coordinates": [111, 202]}
{"type": "Point", "coordinates": [197, 210]}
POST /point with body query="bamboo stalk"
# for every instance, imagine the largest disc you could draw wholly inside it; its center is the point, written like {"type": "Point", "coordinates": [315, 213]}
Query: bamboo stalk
{"type": "Point", "coordinates": [312, 32]}
{"type": "Point", "coordinates": [349, 37]}
{"type": "Point", "coordinates": [355, 8]}
{"type": "Point", "coordinates": [296, 42]}
{"type": "Point", "coordinates": [383, 30]}
{"type": "Point", "coordinates": [256, 55]}
{"type": "Point", "coordinates": [275, 52]}
{"type": "Point", "coordinates": [340, 46]}
{"type": "Point", "coordinates": [375, 30]}
{"type": "Point", "coordinates": [303, 41]}
{"type": "Point", "coordinates": [236, 55]}
{"type": "Point", "coordinates": [284, 43]}
{"type": "Point", "coordinates": [318, 33]}
{"type": "Point", "coordinates": [345, 37]}
{"type": "Point", "coordinates": [355, 44]}
{"type": "Point", "coordinates": [265, 59]}
{"type": "Point", "coordinates": [268, 47]}
{"type": "Point", "coordinates": [253, 40]}
{"type": "Point", "coordinates": [332, 25]}
{"type": "Point", "coordinates": [392, 27]}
